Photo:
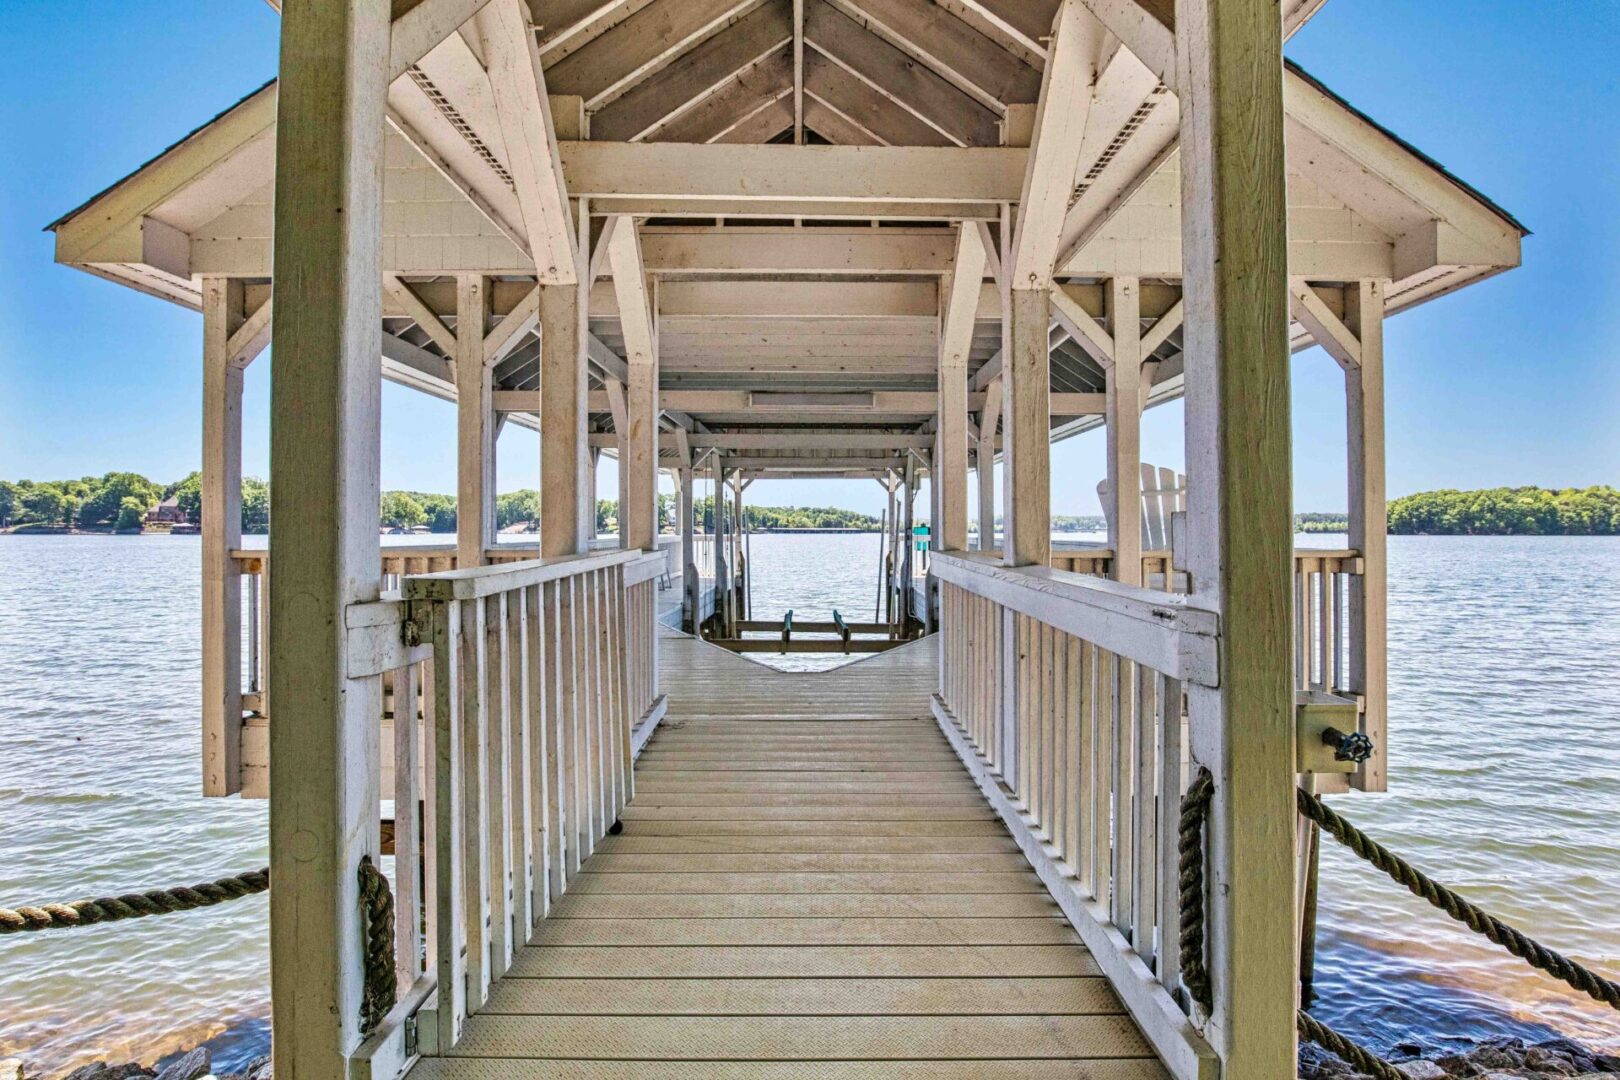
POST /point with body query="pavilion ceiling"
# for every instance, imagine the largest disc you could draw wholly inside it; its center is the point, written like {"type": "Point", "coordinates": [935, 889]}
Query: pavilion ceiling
{"type": "Point", "coordinates": [812, 272]}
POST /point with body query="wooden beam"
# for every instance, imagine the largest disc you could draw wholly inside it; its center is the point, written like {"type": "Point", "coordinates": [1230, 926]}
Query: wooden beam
{"type": "Point", "coordinates": [638, 516]}
{"type": "Point", "coordinates": [955, 343]}
{"type": "Point", "coordinates": [1146, 27]}
{"type": "Point", "coordinates": [1240, 520]}
{"type": "Point", "coordinates": [644, 43]}
{"type": "Point", "coordinates": [324, 476]}
{"type": "Point", "coordinates": [519, 91]}
{"type": "Point", "coordinates": [475, 425]}
{"type": "Point", "coordinates": [894, 174]}
{"type": "Point", "coordinates": [567, 502]}
{"type": "Point", "coordinates": [512, 326]}
{"type": "Point", "coordinates": [1060, 125]}
{"type": "Point", "coordinates": [1162, 328]}
{"type": "Point", "coordinates": [1086, 331]}
{"type": "Point", "coordinates": [221, 534]}
{"type": "Point", "coordinates": [1026, 383]}
{"type": "Point", "coordinates": [1369, 523]}
{"type": "Point", "coordinates": [1335, 337]}
{"type": "Point", "coordinates": [1124, 379]}
{"type": "Point", "coordinates": [401, 292]}
{"type": "Point", "coordinates": [985, 463]}
{"type": "Point", "coordinates": [423, 26]}
{"type": "Point", "coordinates": [250, 337]}
{"type": "Point", "coordinates": [798, 72]}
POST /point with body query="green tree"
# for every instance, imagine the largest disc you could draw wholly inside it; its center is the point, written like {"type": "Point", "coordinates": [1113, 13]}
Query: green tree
{"type": "Point", "coordinates": [188, 495]}
{"type": "Point", "coordinates": [131, 514]}
{"type": "Point", "coordinates": [45, 504]}
{"type": "Point", "coordinates": [517, 508]}
{"type": "Point", "coordinates": [105, 498]}
{"type": "Point", "coordinates": [255, 505]}
{"type": "Point", "coordinates": [401, 511]}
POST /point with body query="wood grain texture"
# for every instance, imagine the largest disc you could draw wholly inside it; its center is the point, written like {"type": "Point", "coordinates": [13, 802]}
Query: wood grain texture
{"type": "Point", "coordinates": [807, 883]}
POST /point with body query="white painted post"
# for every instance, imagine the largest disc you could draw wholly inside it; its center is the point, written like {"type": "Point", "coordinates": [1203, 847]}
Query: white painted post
{"type": "Point", "coordinates": [1240, 528]}
{"type": "Point", "coordinates": [638, 440]}
{"type": "Point", "coordinates": [1026, 514]}
{"type": "Point", "coordinates": [1124, 405]}
{"type": "Point", "coordinates": [567, 499]}
{"type": "Point", "coordinates": [1369, 523]}
{"type": "Point", "coordinates": [475, 425]}
{"type": "Point", "coordinates": [689, 574]}
{"type": "Point", "coordinates": [221, 532]}
{"type": "Point", "coordinates": [985, 463]}
{"type": "Point", "coordinates": [959, 306]}
{"type": "Point", "coordinates": [324, 454]}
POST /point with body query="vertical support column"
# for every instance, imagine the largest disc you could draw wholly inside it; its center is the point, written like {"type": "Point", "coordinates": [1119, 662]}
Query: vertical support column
{"type": "Point", "coordinates": [985, 464]}
{"type": "Point", "coordinates": [717, 505]}
{"type": "Point", "coordinates": [1369, 523]}
{"type": "Point", "coordinates": [567, 500]}
{"type": "Point", "coordinates": [221, 532]}
{"type": "Point", "coordinates": [1026, 450]}
{"type": "Point", "coordinates": [1240, 528]}
{"type": "Point", "coordinates": [689, 575]}
{"type": "Point", "coordinates": [1124, 406]}
{"type": "Point", "coordinates": [475, 425]}
{"type": "Point", "coordinates": [908, 497]}
{"type": "Point", "coordinates": [324, 466]}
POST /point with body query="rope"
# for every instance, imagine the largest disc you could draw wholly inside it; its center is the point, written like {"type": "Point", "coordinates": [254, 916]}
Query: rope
{"type": "Point", "coordinates": [377, 995]}
{"type": "Point", "coordinates": [132, 905]}
{"type": "Point", "coordinates": [1190, 847]}
{"type": "Point", "coordinates": [1364, 1060]}
{"type": "Point", "coordinates": [1469, 914]}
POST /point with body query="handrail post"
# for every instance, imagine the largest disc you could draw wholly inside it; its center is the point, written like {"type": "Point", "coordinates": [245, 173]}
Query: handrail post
{"type": "Point", "coordinates": [1240, 527]}
{"type": "Point", "coordinates": [326, 401]}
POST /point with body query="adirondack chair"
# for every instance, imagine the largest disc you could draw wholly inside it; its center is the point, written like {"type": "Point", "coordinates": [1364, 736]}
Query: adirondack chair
{"type": "Point", "coordinates": [1164, 493]}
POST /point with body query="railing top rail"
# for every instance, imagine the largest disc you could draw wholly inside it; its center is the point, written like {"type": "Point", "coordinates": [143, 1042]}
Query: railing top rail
{"type": "Point", "coordinates": [1169, 633]}
{"type": "Point", "coordinates": [478, 581]}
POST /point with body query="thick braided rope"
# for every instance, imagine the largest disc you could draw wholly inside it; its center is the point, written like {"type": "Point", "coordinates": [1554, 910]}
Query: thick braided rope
{"type": "Point", "coordinates": [377, 994]}
{"type": "Point", "coordinates": [1469, 914]}
{"type": "Point", "coordinates": [132, 905]}
{"type": "Point", "coordinates": [1190, 849]}
{"type": "Point", "coordinates": [1341, 1047]}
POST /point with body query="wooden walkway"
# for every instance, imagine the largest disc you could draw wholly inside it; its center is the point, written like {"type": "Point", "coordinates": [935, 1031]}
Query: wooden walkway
{"type": "Point", "coordinates": [807, 885]}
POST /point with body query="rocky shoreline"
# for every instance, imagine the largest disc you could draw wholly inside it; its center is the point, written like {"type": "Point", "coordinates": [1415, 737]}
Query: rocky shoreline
{"type": "Point", "coordinates": [197, 1064]}
{"type": "Point", "coordinates": [1493, 1059]}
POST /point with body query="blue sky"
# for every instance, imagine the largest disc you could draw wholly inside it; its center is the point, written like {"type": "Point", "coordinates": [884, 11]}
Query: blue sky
{"type": "Point", "coordinates": [1515, 381]}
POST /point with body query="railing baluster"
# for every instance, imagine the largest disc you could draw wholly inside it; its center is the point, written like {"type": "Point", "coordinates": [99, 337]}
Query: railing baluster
{"type": "Point", "coordinates": [407, 841]}
{"type": "Point", "coordinates": [535, 728]}
{"type": "Point", "coordinates": [1144, 845]}
{"type": "Point", "coordinates": [475, 800]}
{"type": "Point", "coordinates": [496, 807]}
{"type": "Point", "coordinates": [1171, 786]}
{"type": "Point", "coordinates": [517, 769]}
{"type": "Point", "coordinates": [450, 907]}
{"type": "Point", "coordinates": [555, 745]}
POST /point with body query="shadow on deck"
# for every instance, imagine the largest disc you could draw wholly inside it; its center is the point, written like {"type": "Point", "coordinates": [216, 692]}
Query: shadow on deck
{"type": "Point", "coordinates": [808, 884]}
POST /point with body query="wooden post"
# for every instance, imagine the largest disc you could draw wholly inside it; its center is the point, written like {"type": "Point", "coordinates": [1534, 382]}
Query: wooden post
{"type": "Point", "coordinates": [638, 457]}
{"type": "Point", "coordinates": [1124, 405]}
{"type": "Point", "coordinates": [689, 576]}
{"type": "Point", "coordinates": [1369, 522]}
{"type": "Point", "coordinates": [960, 305]}
{"type": "Point", "coordinates": [567, 501]}
{"type": "Point", "coordinates": [1026, 513]}
{"type": "Point", "coordinates": [324, 454]}
{"type": "Point", "coordinates": [717, 509]}
{"type": "Point", "coordinates": [985, 463]}
{"type": "Point", "coordinates": [1240, 528]}
{"type": "Point", "coordinates": [908, 496]}
{"type": "Point", "coordinates": [221, 532]}
{"type": "Point", "coordinates": [475, 425]}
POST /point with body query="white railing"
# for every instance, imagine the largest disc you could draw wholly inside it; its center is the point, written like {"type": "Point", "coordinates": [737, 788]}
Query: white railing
{"type": "Point", "coordinates": [515, 698]}
{"type": "Point", "coordinates": [1063, 695]}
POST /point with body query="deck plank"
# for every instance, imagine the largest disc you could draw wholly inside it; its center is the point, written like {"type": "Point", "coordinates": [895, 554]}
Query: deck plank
{"type": "Point", "coordinates": [808, 885]}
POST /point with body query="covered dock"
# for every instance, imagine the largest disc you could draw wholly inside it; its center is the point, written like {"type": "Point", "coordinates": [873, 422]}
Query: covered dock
{"type": "Point", "coordinates": [734, 239]}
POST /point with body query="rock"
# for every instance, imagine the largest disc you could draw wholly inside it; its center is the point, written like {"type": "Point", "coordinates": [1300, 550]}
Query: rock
{"type": "Point", "coordinates": [11, 1069]}
{"type": "Point", "coordinates": [1551, 1062]}
{"type": "Point", "coordinates": [1423, 1070]}
{"type": "Point", "coordinates": [257, 1069]}
{"type": "Point", "coordinates": [193, 1066]}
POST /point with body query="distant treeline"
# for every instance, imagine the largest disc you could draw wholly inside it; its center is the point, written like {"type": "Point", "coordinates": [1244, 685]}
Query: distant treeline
{"type": "Point", "coordinates": [1524, 511]}
{"type": "Point", "coordinates": [786, 517]}
{"type": "Point", "coordinates": [118, 500]}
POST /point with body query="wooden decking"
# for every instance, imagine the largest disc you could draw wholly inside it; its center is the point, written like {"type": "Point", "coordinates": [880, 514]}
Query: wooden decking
{"type": "Point", "coordinates": [807, 885]}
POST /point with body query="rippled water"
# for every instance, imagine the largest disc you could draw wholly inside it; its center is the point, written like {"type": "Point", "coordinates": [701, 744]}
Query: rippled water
{"type": "Point", "coordinates": [1505, 781]}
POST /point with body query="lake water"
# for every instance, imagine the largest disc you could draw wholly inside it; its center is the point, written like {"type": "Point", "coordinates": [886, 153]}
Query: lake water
{"type": "Point", "coordinates": [1505, 782]}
